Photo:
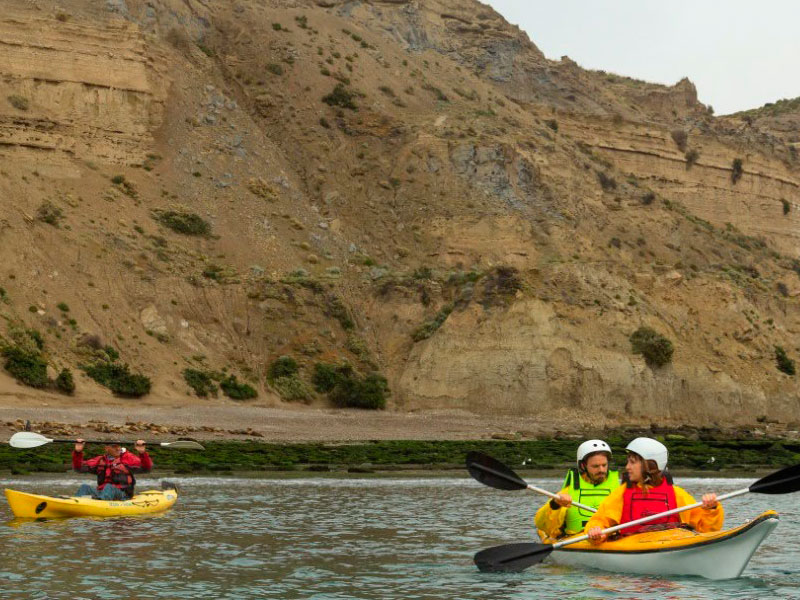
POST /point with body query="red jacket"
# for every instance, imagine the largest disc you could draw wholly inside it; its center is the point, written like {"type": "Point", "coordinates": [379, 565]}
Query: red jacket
{"type": "Point", "coordinates": [118, 472]}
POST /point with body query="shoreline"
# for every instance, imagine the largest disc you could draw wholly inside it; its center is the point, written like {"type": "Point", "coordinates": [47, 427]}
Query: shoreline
{"type": "Point", "coordinates": [555, 473]}
{"type": "Point", "coordinates": [550, 457]}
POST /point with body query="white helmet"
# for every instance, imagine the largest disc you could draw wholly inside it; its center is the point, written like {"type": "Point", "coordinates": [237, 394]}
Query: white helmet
{"type": "Point", "coordinates": [650, 449]}
{"type": "Point", "coordinates": [590, 447]}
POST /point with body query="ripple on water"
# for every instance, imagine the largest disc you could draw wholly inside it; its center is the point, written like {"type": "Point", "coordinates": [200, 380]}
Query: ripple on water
{"type": "Point", "coordinates": [343, 538]}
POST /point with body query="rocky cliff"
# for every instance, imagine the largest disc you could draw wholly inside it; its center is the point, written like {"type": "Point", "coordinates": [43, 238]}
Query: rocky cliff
{"type": "Point", "coordinates": [409, 187]}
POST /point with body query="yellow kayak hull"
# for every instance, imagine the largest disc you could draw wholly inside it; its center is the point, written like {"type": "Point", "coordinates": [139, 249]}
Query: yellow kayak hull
{"type": "Point", "coordinates": [34, 506]}
{"type": "Point", "coordinates": [718, 555]}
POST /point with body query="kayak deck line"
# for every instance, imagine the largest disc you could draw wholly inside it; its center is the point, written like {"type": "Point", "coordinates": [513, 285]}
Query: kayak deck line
{"type": "Point", "coordinates": [674, 552]}
{"type": "Point", "coordinates": [35, 506]}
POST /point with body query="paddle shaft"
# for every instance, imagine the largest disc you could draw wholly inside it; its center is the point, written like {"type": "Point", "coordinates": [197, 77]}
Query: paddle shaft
{"type": "Point", "coordinates": [29, 439]}
{"type": "Point", "coordinates": [643, 520]}
{"type": "Point", "coordinates": [97, 442]}
{"type": "Point", "coordinates": [106, 442]}
{"type": "Point", "coordinates": [180, 444]}
{"type": "Point", "coordinates": [533, 488]}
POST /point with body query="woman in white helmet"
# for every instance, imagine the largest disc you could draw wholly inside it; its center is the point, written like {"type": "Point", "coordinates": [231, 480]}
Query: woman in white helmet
{"type": "Point", "coordinates": [589, 484]}
{"type": "Point", "coordinates": [649, 493]}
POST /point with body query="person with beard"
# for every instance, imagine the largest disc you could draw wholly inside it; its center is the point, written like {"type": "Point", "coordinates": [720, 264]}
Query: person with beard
{"type": "Point", "coordinates": [588, 484]}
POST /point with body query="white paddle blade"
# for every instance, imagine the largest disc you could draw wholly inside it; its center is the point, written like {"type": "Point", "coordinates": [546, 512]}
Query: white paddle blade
{"type": "Point", "coordinates": [182, 445]}
{"type": "Point", "coordinates": [28, 439]}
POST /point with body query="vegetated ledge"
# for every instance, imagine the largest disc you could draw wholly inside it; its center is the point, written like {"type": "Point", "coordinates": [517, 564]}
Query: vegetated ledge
{"type": "Point", "coordinates": [730, 455]}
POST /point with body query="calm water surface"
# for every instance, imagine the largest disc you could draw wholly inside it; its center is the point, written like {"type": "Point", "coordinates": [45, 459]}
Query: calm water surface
{"type": "Point", "coordinates": [343, 538]}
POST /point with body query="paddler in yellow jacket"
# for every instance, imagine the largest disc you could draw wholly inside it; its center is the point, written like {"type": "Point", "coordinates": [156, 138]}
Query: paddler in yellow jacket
{"type": "Point", "coordinates": [588, 484]}
{"type": "Point", "coordinates": [648, 493]}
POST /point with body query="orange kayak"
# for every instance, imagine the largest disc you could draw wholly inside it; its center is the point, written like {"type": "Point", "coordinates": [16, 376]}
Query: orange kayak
{"type": "Point", "coordinates": [718, 555]}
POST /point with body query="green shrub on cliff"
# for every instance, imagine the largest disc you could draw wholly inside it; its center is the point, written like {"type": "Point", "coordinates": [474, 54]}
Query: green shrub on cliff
{"type": "Point", "coordinates": [691, 158]}
{"type": "Point", "coordinates": [49, 213]}
{"type": "Point", "coordinates": [26, 362]}
{"type": "Point", "coordinates": [428, 328]}
{"type": "Point", "coordinates": [283, 366]}
{"type": "Point", "coordinates": [201, 382]}
{"type": "Point", "coordinates": [656, 349]}
{"type": "Point", "coordinates": [680, 137]}
{"type": "Point", "coordinates": [346, 389]}
{"type": "Point", "coordinates": [369, 392]}
{"type": "Point", "coordinates": [342, 97]}
{"type": "Point", "coordinates": [326, 376]}
{"type": "Point", "coordinates": [26, 366]}
{"type": "Point", "coordinates": [118, 378]}
{"type": "Point", "coordinates": [65, 382]}
{"type": "Point", "coordinates": [607, 182]}
{"type": "Point", "coordinates": [736, 170]}
{"type": "Point", "coordinates": [785, 364]}
{"type": "Point", "coordinates": [292, 388]}
{"type": "Point", "coordinates": [18, 102]}
{"type": "Point", "coordinates": [182, 222]}
{"type": "Point", "coordinates": [334, 307]}
{"type": "Point", "coordinates": [237, 391]}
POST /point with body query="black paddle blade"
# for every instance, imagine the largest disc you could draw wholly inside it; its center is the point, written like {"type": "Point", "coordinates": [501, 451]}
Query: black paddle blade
{"type": "Point", "coordinates": [784, 481]}
{"type": "Point", "coordinates": [511, 558]}
{"type": "Point", "coordinates": [493, 473]}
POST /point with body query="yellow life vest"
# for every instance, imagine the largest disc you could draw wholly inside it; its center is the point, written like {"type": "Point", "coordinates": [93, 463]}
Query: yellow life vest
{"type": "Point", "coordinates": [586, 493]}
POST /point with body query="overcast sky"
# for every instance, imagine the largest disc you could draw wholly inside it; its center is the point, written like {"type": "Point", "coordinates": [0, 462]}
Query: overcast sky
{"type": "Point", "coordinates": [739, 53]}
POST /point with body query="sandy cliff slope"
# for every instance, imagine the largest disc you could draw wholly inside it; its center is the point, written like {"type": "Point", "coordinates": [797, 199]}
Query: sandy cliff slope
{"type": "Point", "coordinates": [410, 187]}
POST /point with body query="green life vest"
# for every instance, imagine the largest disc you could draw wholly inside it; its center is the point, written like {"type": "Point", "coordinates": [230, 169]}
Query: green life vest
{"type": "Point", "coordinates": [584, 492]}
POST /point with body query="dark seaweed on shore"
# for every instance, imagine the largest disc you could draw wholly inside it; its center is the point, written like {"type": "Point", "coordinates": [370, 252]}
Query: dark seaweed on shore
{"type": "Point", "coordinates": [242, 456]}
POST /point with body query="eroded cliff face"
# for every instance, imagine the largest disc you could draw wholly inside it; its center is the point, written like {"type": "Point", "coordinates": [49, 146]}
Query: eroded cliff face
{"type": "Point", "coordinates": [482, 225]}
{"type": "Point", "coordinates": [89, 91]}
{"type": "Point", "coordinates": [779, 121]}
{"type": "Point", "coordinates": [755, 203]}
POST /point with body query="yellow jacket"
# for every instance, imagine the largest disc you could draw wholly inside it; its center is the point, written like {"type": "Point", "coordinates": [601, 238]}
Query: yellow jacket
{"type": "Point", "coordinates": [701, 519]}
{"type": "Point", "coordinates": [549, 521]}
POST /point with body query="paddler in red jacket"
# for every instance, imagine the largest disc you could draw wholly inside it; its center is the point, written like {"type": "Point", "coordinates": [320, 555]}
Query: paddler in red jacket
{"type": "Point", "coordinates": [115, 470]}
{"type": "Point", "coordinates": [649, 493]}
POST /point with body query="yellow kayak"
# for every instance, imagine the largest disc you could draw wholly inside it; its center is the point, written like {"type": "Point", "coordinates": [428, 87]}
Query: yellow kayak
{"type": "Point", "coordinates": [718, 555]}
{"type": "Point", "coordinates": [33, 506]}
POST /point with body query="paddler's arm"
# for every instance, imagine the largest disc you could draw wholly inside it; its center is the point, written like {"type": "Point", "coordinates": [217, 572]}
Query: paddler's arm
{"type": "Point", "coordinates": [608, 514]}
{"type": "Point", "coordinates": [550, 517]}
{"type": "Point", "coordinates": [78, 464]}
{"type": "Point", "coordinates": [702, 519]}
{"type": "Point", "coordinates": [143, 463]}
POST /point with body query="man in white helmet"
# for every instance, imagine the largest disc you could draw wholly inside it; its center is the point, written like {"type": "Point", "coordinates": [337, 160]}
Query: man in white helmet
{"type": "Point", "coordinates": [648, 492]}
{"type": "Point", "coordinates": [589, 484]}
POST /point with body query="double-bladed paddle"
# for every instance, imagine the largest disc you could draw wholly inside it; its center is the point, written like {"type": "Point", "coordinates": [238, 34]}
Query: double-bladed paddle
{"type": "Point", "coordinates": [29, 439]}
{"type": "Point", "coordinates": [516, 557]}
{"type": "Point", "coordinates": [490, 471]}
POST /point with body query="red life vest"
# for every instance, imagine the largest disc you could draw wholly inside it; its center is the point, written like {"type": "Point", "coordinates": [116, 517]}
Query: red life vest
{"type": "Point", "coordinates": [115, 473]}
{"type": "Point", "coordinates": [636, 504]}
